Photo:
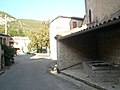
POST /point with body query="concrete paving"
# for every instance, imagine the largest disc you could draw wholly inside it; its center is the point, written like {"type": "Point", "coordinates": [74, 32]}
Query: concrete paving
{"type": "Point", "coordinates": [76, 82]}
{"type": "Point", "coordinates": [1, 72]}
{"type": "Point", "coordinates": [79, 75]}
{"type": "Point", "coordinates": [32, 74]}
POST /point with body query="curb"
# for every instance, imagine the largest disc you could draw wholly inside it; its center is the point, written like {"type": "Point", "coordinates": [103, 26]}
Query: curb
{"type": "Point", "coordinates": [84, 81]}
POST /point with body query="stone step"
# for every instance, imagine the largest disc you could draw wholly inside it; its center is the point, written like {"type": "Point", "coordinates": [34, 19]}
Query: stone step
{"type": "Point", "coordinates": [102, 74]}
{"type": "Point", "coordinates": [106, 72]}
{"type": "Point", "coordinates": [103, 79]}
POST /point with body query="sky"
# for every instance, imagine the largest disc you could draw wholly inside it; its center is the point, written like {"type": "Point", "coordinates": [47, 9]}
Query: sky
{"type": "Point", "coordinates": [43, 9]}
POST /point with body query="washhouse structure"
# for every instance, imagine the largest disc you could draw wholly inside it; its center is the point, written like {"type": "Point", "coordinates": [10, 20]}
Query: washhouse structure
{"type": "Point", "coordinates": [97, 47]}
{"type": "Point", "coordinates": [61, 24]}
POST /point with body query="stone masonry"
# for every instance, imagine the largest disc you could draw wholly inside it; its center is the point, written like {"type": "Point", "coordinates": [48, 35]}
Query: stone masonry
{"type": "Point", "coordinates": [100, 44]}
{"type": "Point", "coordinates": [103, 44]}
{"type": "Point", "coordinates": [76, 49]}
{"type": "Point", "coordinates": [109, 45]}
{"type": "Point", "coordinates": [67, 55]}
{"type": "Point", "coordinates": [101, 9]}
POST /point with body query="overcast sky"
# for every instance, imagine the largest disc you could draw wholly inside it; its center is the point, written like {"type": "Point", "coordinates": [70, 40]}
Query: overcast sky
{"type": "Point", "coordinates": [43, 9]}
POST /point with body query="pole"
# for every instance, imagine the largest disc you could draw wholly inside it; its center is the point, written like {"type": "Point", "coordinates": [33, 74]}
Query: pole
{"type": "Point", "coordinates": [6, 24]}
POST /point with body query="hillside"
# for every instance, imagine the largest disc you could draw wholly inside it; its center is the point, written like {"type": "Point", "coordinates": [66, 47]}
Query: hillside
{"type": "Point", "coordinates": [2, 14]}
{"type": "Point", "coordinates": [18, 27]}
{"type": "Point", "coordinates": [37, 31]}
{"type": "Point", "coordinates": [28, 24]}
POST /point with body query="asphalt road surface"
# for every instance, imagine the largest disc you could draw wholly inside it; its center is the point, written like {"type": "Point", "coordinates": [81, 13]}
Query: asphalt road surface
{"type": "Point", "coordinates": [32, 74]}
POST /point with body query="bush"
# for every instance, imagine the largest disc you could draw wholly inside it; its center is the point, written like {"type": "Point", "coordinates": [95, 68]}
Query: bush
{"type": "Point", "coordinates": [8, 54]}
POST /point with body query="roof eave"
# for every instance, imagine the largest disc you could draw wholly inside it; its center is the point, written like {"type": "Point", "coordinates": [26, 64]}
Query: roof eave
{"type": "Point", "coordinates": [101, 25]}
{"type": "Point", "coordinates": [76, 18]}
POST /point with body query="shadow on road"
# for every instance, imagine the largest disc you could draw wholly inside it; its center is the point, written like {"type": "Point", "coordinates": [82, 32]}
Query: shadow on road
{"type": "Point", "coordinates": [44, 58]}
{"type": "Point", "coordinates": [39, 57]}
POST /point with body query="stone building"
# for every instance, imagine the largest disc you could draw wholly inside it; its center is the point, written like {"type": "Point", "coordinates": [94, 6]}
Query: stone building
{"type": "Point", "coordinates": [98, 11]}
{"type": "Point", "coordinates": [61, 24]}
{"type": "Point", "coordinates": [4, 39]}
{"type": "Point", "coordinates": [86, 45]}
{"type": "Point", "coordinates": [98, 46]}
{"type": "Point", "coordinates": [21, 44]}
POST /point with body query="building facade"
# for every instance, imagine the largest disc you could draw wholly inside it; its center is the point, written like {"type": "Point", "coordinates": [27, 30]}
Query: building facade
{"type": "Point", "coordinates": [97, 47]}
{"type": "Point", "coordinates": [20, 44]}
{"type": "Point", "coordinates": [61, 24]}
{"type": "Point", "coordinates": [91, 46]}
{"type": "Point", "coordinates": [98, 11]}
{"type": "Point", "coordinates": [4, 39]}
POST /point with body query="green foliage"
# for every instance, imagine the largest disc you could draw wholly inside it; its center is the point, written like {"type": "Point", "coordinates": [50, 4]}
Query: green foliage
{"type": "Point", "coordinates": [37, 31]}
{"type": "Point", "coordinates": [16, 32]}
{"type": "Point", "coordinates": [8, 54]}
{"type": "Point", "coordinates": [2, 14]}
{"type": "Point", "coordinates": [1, 29]}
{"type": "Point", "coordinates": [39, 36]}
{"type": "Point", "coordinates": [15, 29]}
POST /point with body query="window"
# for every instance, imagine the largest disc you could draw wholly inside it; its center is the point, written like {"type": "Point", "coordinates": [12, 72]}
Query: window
{"type": "Point", "coordinates": [90, 17]}
{"type": "Point", "coordinates": [74, 23]}
{"type": "Point", "coordinates": [16, 43]}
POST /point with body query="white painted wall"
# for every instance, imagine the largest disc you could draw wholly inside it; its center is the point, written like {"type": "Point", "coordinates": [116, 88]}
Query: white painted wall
{"type": "Point", "coordinates": [57, 26]}
{"type": "Point", "coordinates": [22, 43]}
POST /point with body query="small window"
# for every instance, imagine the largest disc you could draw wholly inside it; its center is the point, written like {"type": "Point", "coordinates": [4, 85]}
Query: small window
{"type": "Point", "coordinates": [74, 24]}
{"type": "Point", "coordinates": [16, 43]}
{"type": "Point", "coordinates": [90, 17]}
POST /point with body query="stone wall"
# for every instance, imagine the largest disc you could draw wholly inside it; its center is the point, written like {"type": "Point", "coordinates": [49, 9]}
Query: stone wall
{"type": "Point", "coordinates": [101, 9]}
{"type": "Point", "coordinates": [67, 55]}
{"type": "Point", "coordinates": [96, 45]}
{"type": "Point", "coordinates": [109, 45]}
{"type": "Point", "coordinates": [57, 26]}
{"type": "Point", "coordinates": [75, 49]}
{"type": "Point", "coordinates": [0, 57]}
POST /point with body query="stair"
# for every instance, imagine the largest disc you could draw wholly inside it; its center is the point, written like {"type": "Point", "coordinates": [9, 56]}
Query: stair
{"type": "Point", "coordinates": [101, 72]}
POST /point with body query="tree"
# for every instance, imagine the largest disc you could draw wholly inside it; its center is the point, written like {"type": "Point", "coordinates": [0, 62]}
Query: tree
{"type": "Point", "coordinates": [8, 54]}
{"type": "Point", "coordinates": [15, 29]}
{"type": "Point", "coordinates": [39, 37]}
{"type": "Point", "coordinates": [16, 32]}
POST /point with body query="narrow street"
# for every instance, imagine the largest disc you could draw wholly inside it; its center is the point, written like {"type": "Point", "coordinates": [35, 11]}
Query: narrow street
{"type": "Point", "coordinates": [32, 74]}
